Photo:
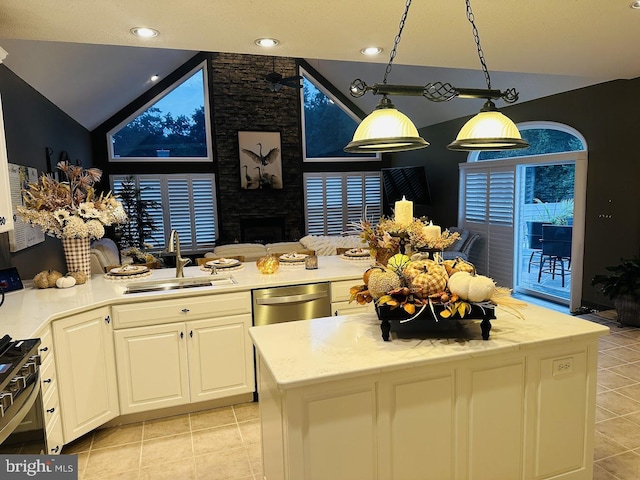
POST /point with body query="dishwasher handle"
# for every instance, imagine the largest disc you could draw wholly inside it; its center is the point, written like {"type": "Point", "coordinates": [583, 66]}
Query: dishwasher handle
{"type": "Point", "coordinates": [305, 297]}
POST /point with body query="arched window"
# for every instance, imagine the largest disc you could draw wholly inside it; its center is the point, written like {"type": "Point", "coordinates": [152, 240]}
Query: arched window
{"type": "Point", "coordinates": [543, 138]}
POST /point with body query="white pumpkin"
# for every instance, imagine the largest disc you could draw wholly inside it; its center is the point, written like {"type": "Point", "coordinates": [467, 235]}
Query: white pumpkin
{"type": "Point", "coordinates": [473, 288]}
{"type": "Point", "coordinates": [65, 282]}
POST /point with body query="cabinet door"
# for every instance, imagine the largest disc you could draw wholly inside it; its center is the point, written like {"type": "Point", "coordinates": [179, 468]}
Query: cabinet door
{"type": "Point", "coordinates": [220, 357]}
{"type": "Point", "coordinates": [152, 367]}
{"type": "Point", "coordinates": [86, 374]}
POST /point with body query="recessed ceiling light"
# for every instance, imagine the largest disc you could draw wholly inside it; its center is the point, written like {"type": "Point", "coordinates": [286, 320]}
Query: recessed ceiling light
{"type": "Point", "coordinates": [154, 78]}
{"type": "Point", "coordinates": [267, 42]}
{"type": "Point", "coordinates": [371, 51]}
{"type": "Point", "coordinates": [145, 32]}
{"type": "Point", "coordinates": [635, 5]}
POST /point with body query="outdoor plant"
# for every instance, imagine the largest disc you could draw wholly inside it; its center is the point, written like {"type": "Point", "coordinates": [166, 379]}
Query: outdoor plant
{"type": "Point", "coordinates": [141, 223]}
{"type": "Point", "coordinates": [624, 279]}
{"type": "Point", "coordinates": [555, 213]}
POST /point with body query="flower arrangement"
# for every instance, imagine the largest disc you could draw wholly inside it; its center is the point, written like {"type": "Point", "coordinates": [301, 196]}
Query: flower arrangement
{"type": "Point", "coordinates": [71, 208]}
{"type": "Point", "coordinates": [388, 235]}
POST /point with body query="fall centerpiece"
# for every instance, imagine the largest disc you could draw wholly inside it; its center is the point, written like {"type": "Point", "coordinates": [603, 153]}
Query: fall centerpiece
{"type": "Point", "coordinates": [403, 234]}
{"type": "Point", "coordinates": [430, 290]}
{"type": "Point", "coordinates": [72, 211]}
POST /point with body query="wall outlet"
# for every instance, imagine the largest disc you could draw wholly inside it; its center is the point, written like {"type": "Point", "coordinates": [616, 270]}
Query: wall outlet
{"type": "Point", "coordinates": [562, 366]}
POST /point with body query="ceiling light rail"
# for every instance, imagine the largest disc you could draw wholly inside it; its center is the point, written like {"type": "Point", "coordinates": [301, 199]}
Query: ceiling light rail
{"type": "Point", "coordinates": [388, 130]}
{"type": "Point", "coordinates": [435, 92]}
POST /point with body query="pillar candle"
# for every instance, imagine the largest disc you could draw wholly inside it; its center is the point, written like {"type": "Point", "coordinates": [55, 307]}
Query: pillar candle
{"type": "Point", "coordinates": [431, 231]}
{"type": "Point", "coordinates": [404, 212]}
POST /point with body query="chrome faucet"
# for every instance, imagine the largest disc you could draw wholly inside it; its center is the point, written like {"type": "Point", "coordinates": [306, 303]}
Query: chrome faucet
{"type": "Point", "coordinates": [174, 246]}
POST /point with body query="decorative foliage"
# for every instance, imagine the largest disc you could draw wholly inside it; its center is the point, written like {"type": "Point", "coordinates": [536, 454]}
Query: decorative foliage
{"type": "Point", "coordinates": [70, 209]}
{"type": "Point", "coordinates": [388, 234]}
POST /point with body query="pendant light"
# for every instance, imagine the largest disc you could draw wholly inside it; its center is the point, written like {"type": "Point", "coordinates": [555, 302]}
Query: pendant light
{"type": "Point", "coordinates": [488, 130]}
{"type": "Point", "coordinates": [386, 129]}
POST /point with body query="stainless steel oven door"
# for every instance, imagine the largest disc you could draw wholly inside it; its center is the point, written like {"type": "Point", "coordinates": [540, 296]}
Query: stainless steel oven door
{"type": "Point", "coordinates": [22, 427]}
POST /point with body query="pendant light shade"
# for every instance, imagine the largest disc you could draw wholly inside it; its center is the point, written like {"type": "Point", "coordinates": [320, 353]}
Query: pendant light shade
{"type": "Point", "coordinates": [385, 130]}
{"type": "Point", "coordinates": [488, 130]}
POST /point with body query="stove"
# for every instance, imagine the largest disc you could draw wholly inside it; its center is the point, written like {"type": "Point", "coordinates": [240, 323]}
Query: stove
{"type": "Point", "coordinates": [19, 381]}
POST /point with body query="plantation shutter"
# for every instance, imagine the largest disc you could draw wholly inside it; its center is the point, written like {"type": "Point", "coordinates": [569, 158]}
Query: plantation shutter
{"type": "Point", "coordinates": [335, 200]}
{"type": "Point", "coordinates": [487, 197]}
{"type": "Point", "coordinates": [185, 203]}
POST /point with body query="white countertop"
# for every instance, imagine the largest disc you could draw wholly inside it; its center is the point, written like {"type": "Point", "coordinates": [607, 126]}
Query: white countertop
{"type": "Point", "coordinates": [314, 351]}
{"type": "Point", "coordinates": [24, 312]}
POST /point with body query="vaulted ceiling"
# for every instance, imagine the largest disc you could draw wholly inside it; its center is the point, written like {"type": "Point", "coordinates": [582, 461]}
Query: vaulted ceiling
{"type": "Point", "coordinates": [82, 56]}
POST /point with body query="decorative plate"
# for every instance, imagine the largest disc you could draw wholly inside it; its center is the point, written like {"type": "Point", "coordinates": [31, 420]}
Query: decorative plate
{"type": "Point", "coordinates": [223, 263]}
{"type": "Point", "coordinates": [293, 257]}
{"type": "Point", "coordinates": [357, 252]}
{"type": "Point", "coordinates": [129, 270]}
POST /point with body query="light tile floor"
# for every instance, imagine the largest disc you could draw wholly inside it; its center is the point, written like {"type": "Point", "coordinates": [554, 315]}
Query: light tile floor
{"type": "Point", "coordinates": [617, 436]}
{"type": "Point", "coordinates": [219, 444]}
{"type": "Point", "coordinates": [225, 443]}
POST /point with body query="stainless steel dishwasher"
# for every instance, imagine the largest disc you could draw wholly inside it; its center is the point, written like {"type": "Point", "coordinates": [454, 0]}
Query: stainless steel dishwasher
{"type": "Point", "coordinates": [287, 304]}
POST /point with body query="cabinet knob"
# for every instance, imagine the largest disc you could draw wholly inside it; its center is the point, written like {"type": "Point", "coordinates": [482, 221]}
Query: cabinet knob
{"type": "Point", "coordinates": [47, 380]}
{"type": "Point", "coordinates": [55, 449]}
{"type": "Point", "coordinates": [191, 333]}
{"type": "Point", "coordinates": [185, 310]}
{"type": "Point", "coordinates": [107, 319]}
{"type": "Point", "coordinates": [181, 334]}
{"type": "Point", "coordinates": [51, 410]}
{"type": "Point", "coordinates": [45, 349]}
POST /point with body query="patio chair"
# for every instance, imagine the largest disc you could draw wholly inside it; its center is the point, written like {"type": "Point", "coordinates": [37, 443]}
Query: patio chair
{"type": "Point", "coordinates": [556, 249]}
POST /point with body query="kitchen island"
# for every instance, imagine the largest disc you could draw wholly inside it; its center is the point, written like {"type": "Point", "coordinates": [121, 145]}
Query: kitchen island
{"type": "Point", "coordinates": [337, 402]}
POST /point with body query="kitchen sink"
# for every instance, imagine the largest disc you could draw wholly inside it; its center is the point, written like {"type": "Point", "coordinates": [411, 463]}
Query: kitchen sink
{"type": "Point", "coordinates": [180, 283]}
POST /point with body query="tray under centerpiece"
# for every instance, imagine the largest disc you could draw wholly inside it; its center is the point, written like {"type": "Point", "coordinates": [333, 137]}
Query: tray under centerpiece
{"type": "Point", "coordinates": [424, 320]}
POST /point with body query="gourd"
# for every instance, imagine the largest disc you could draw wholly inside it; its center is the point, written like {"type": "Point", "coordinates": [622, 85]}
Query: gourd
{"type": "Point", "coordinates": [41, 280]}
{"type": "Point", "coordinates": [459, 265]}
{"type": "Point", "coordinates": [382, 282]}
{"type": "Point", "coordinates": [80, 277]}
{"type": "Point", "coordinates": [52, 277]}
{"type": "Point", "coordinates": [65, 282]}
{"type": "Point", "coordinates": [426, 277]}
{"type": "Point", "coordinates": [268, 264]}
{"type": "Point", "coordinates": [398, 262]}
{"type": "Point", "coordinates": [473, 288]}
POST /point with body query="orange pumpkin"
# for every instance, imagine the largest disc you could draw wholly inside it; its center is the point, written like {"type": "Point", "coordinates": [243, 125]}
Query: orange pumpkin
{"type": "Point", "coordinates": [268, 264]}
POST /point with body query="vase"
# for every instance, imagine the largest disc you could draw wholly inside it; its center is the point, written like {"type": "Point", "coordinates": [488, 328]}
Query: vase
{"type": "Point", "coordinates": [76, 252]}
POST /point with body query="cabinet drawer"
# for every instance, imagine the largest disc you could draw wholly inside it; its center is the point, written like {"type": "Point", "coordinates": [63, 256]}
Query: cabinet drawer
{"type": "Point", "coordinates": [55, 439]}
{"type": "Point", "coordinates": [46, 344]}
{"type": "Point", "coordinates": [180, 309]}
{"type": "Point", "coordinates": [48, 375]}
{"type": "Point", "coordinates": [50, 405]}
{"type": "Point", "coordinates": [340, 290]}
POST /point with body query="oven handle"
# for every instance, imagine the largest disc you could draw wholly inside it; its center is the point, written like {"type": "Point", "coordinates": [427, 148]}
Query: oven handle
{"type": "Point", "coordinates": [306, 297]}
{"type": "Point", "coordinates": [22, 410]}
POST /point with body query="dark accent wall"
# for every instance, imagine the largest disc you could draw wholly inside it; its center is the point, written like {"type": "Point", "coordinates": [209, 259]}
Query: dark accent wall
{"type": "Point", "coordinates": [241, 101]}
{"type": "Point", "coordinates": [33, 123]}
{"type": "Point", "coordinates": [607, 116]}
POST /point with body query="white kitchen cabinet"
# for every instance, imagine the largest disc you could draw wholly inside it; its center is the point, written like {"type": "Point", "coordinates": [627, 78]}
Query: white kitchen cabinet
{"type": "Point", "coordinates": [6, 211]}
{"type": "Point", "coordinates": [340, 295]}
{"type": "Point", "coordinates": [86, 374]}
{"type": "Point", "coordinates": [185, 361]}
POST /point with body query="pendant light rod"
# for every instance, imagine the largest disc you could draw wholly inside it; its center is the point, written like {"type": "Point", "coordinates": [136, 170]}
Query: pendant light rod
{"type": "Point", "coordinates": [435, 92]}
